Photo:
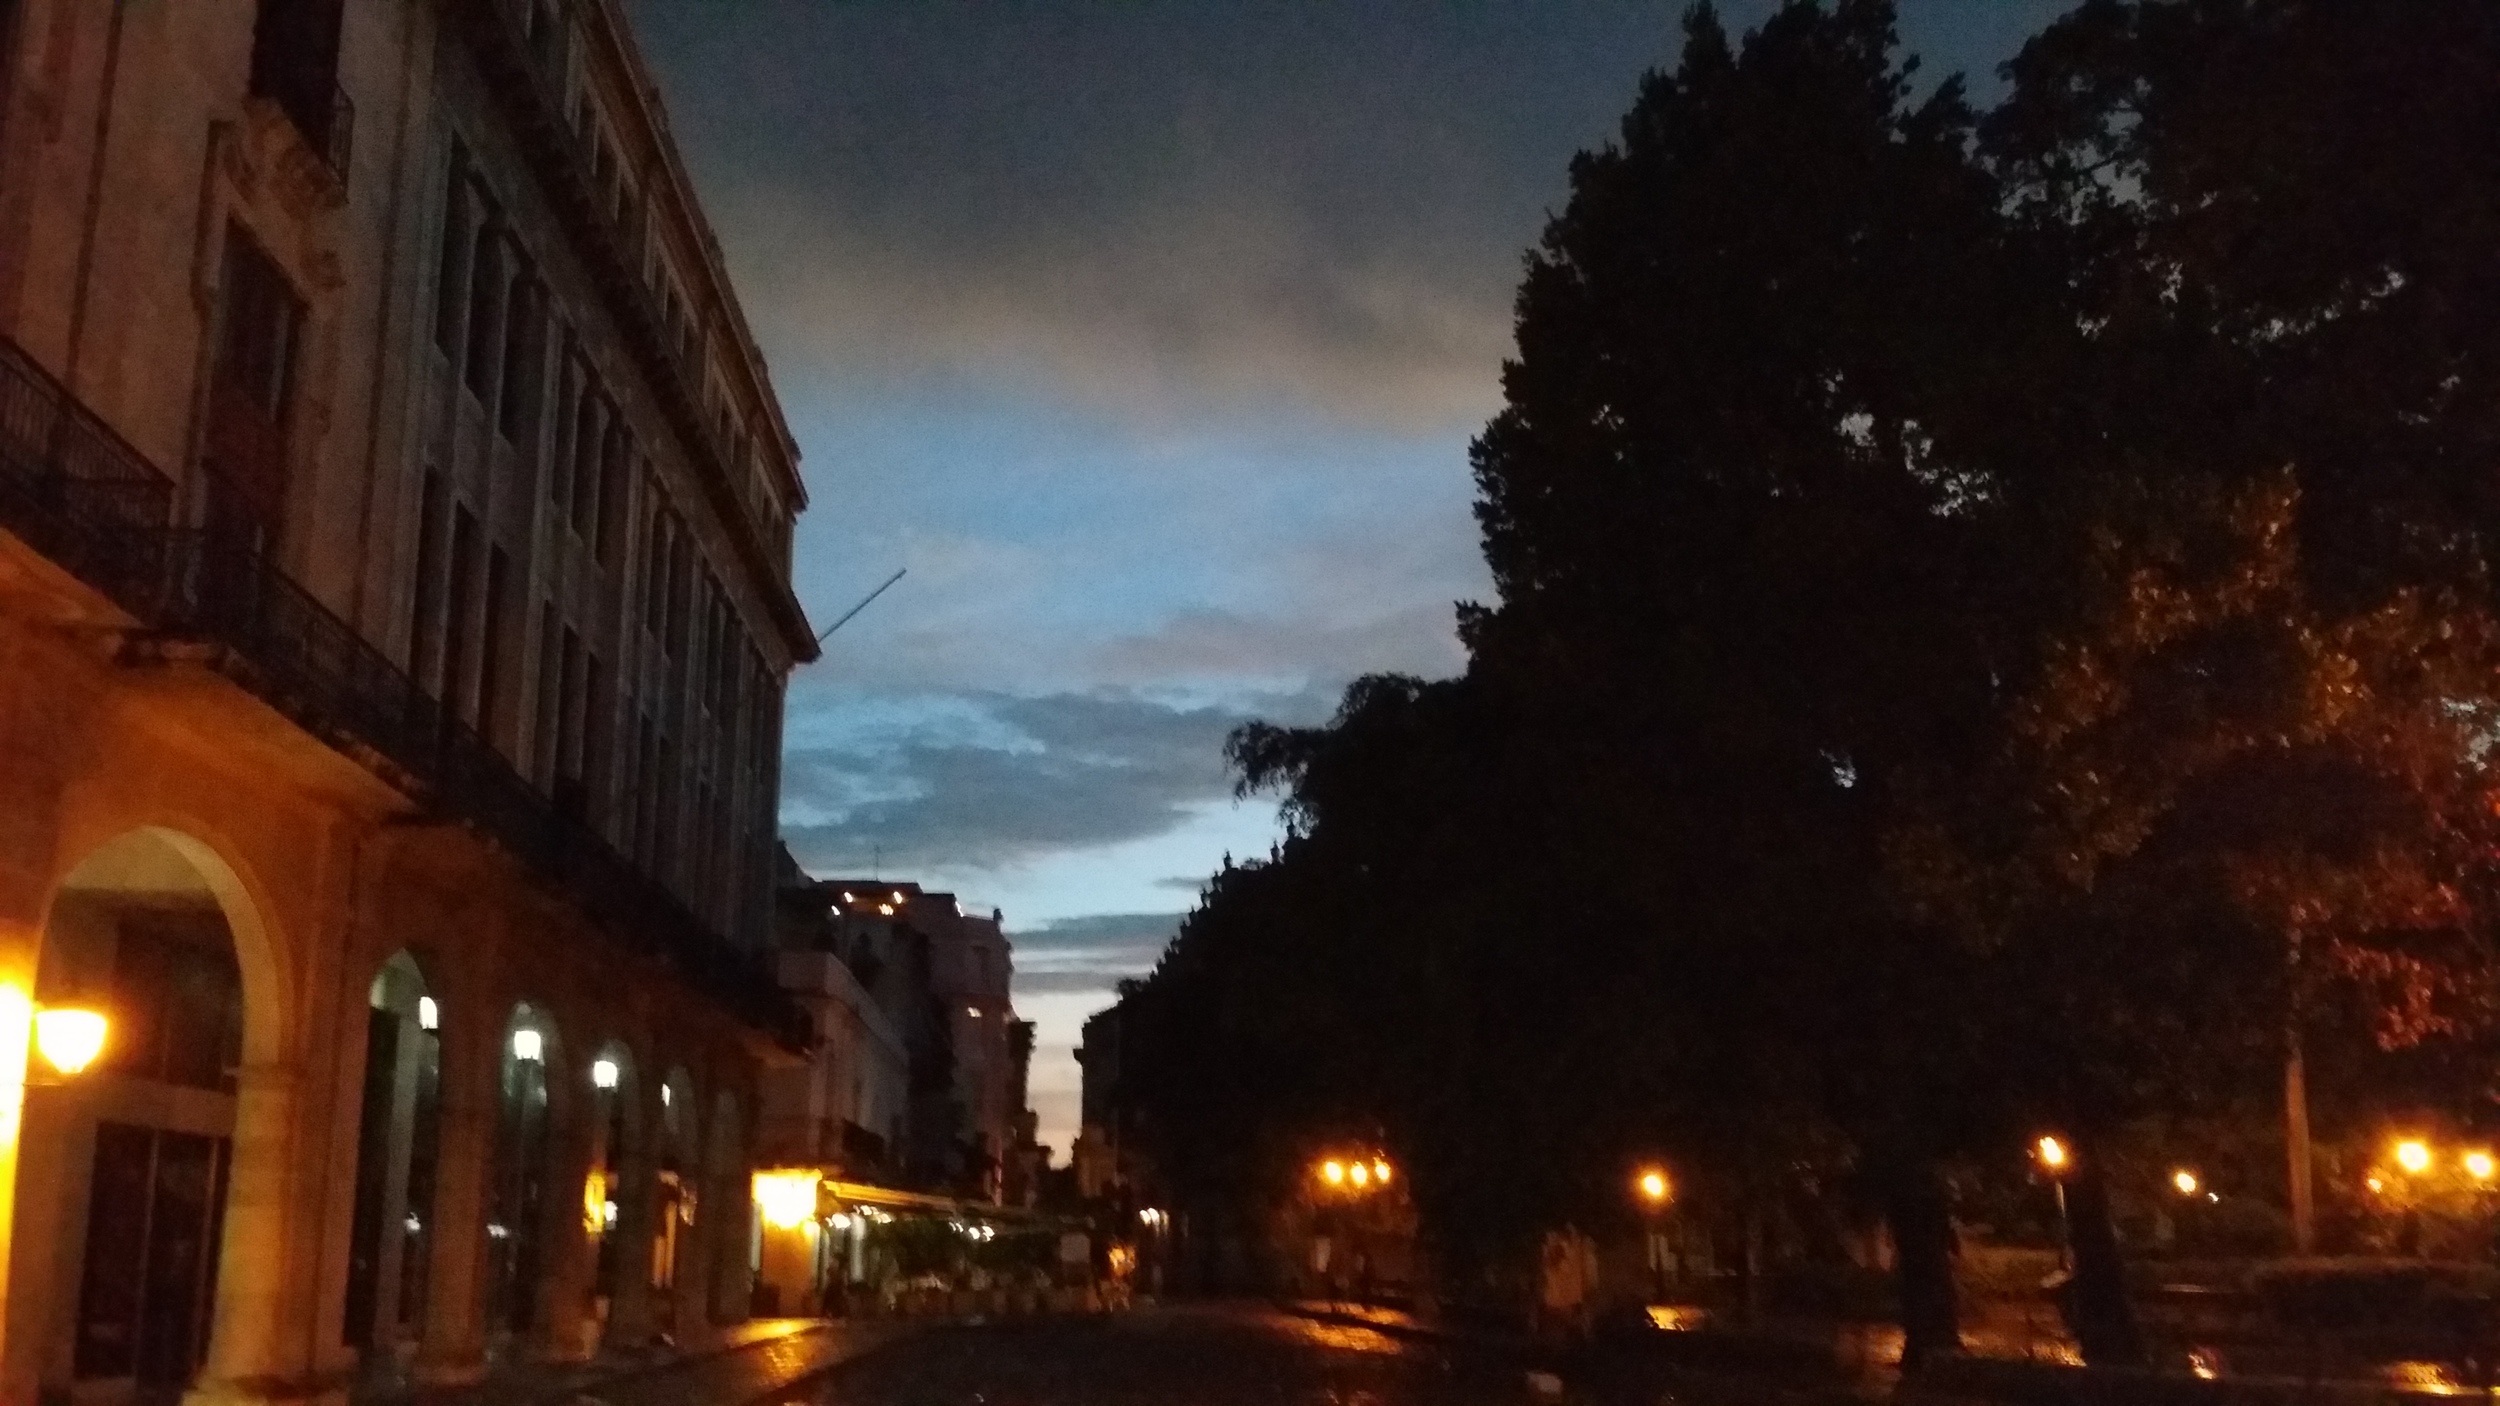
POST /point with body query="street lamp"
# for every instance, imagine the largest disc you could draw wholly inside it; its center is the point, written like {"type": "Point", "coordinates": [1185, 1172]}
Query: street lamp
{"type": "Point", "coordinates": [2054, 1158]}
{"type": "Point", "coordinates": [2414, 1155]}
{"type": "Point", "coordinates": [68, 1038]}
{"type": "Point", "coordinates": [2479, 1166]}
{"type": "Point", "coordinates": [2185, 1181]}
{"type": "Point", "coordinates": [1655, 1191]}
{"type": "Point", "coordinates": [1332, 1172]}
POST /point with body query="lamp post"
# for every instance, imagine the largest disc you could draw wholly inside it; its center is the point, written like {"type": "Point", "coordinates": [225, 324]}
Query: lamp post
{"type": "Point", "coordinates": [1655, 1192]}
{"type": "Point", "coordinates": [2054, 1159]}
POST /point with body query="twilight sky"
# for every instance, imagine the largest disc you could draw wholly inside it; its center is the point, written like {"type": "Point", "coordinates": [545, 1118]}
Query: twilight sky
{"type": "Point", "coordinates": [1149, 335]}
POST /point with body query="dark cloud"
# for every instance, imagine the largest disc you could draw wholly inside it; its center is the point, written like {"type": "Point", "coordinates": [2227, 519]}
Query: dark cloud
{"type": "Point", "coordinates": [1089, 954]}
{"type": "Point", "coordinates": [1152, 206]}
{"type": "Point", "coordinates": [989, 780]}
{"type": "Point", "coordinates": [1165, 206]}
{"type": "Point", "coordinates": [1419, 639]}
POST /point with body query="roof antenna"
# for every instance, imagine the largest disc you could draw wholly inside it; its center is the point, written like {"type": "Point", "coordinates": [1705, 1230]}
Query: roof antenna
{"type": "Point", "coordinates": [863, 605]}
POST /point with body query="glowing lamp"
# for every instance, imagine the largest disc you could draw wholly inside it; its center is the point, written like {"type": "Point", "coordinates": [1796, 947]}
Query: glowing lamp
{"type": "Point", "coordinates": [2414, 1155]}
{"type": "Point", "coordinates": [1380, 1172]}
{"type": "Point", "coordinates": [2478, 1165]}
{"type": "Point", "coordinates": [2053, 1154]}
{"type": "Point", "coordinates": [787, 1199]}
{"type": "Point", "coordinates": [1362, 1175]}
{"type": "Point", "coordinates": [2185, 1181]}
{"type": "Point", "coordinates": [527, 1047]}
{"type": "Point", "coordinates": [1654, 1186]}
{"type": "Point", "coordinates": [69, 1040]}
{"type": "Point", "coordinates": [1332, 1173]}
{"type": "Point", "coordinates": [603, 1073]}
{"type": "Point", "coordinates": [429, 1015]}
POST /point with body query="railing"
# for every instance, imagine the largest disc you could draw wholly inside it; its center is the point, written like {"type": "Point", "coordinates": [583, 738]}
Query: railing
{"type": "Point", "coordinates": [76, 492]}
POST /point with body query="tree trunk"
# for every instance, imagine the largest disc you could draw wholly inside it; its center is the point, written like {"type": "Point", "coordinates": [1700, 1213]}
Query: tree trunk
{"type": "Point", "coordinates": [1922, 1264]}
{"type": "Point", "coordinates": [2096, 1298]}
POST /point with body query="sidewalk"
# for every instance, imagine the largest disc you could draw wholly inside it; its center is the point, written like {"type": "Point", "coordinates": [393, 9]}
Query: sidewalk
{"type": "Point", "coordinates": [752, 1363]}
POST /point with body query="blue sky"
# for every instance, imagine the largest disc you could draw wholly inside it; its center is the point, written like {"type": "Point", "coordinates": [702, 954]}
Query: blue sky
{"type": "Point", "coordinates": [1149, 336]}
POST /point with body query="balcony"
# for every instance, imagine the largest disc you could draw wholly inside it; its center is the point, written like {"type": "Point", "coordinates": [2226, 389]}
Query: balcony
{"type": "Point", "coordinates": [295, 53]}
{"type": "Point", "coordinates": [77, 493]}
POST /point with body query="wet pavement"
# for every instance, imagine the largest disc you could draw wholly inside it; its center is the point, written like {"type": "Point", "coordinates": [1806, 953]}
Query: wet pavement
{"type": "Point", "coordinates": [1190, 1356]}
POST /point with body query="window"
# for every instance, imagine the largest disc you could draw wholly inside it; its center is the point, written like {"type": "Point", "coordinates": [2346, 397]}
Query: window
{"type": "Point", "coordinates": [589, 427]}
{"type": "Point", "coordinates": [543, 743]}
{"type": "Point", "coordinates": [259, 321]}
{"type": "Point", "coordinates": [492, 645]}
{"type": "Point", "coordinates": [486, 290]}
{"type": "Point", "coordinates": [615, 482]}
{"type": "Point", "coordinates": [426, 629]}
{"type": "Point", "coordinates": [459, 650]}
{"type": "Point", "coordinates": [522, 355]}
{"type": "Point", "coordinates": [451, 278]}
{"type": "Point", "coordinates": [655, 559]}
{"type": "Point", "coordinates": [295, 64]}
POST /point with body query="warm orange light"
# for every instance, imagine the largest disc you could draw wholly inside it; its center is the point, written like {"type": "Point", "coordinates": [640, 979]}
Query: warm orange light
{"type": "Point", "coordinates": [2185, 1181]}
{"type": "Point", "coordinates": [2052, 1153]}
{"type": "Point", "coordinates": [1333, 1173]}
{"type": "Point", "coordinates": [1362, 1175]}
{"type": "Point", "coordinates": [1380, 1171]}
{"type": "Point", "coordinates": [787, 1199]}
{"type": "Point", "coordinates": [69, 1040]}
{"type": "Point", "coordinates": [2478, 1165]}
{"type": "Point", "coordinates": [2414, 1155]}
{"type": "Point", "coordinates": [595, 1202]}
{"type": "Point", "coordinates": [2377, 1185]}
{"type": "Point", "coordinates": [1654, 1186]}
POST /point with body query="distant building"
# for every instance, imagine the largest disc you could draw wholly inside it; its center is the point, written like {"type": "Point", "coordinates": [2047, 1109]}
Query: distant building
{"type": "Point", "coordinates": [929, 1081]}
{"type": "Point", "coordinates": [845, 1109]}
{"type": "Point", "coordinates": [1098, 1156]}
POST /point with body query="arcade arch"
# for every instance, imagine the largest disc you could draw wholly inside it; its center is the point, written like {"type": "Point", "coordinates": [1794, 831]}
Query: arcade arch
{"type": "Point", "coordinates": [124, 1173]}
{"type": "Point", "coordinates": [398, 1158]}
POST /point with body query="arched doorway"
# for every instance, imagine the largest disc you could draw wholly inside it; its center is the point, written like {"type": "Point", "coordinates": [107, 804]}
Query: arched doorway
{"type": "Point", "coordinates": [677, 1197]}
{"type": "Point", "coordinates": [517, 1208]}
{"type": "Point", "coordinates": [124, 1171]}
{"type": "Point", "coordinates": [613, 1201]}
{"type": "Point", "coordinates": [398, 1147]}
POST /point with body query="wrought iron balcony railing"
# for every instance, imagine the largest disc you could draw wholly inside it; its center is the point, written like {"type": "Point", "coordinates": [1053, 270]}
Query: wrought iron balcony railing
{"type": "Point", "coordinates": [85, 499]}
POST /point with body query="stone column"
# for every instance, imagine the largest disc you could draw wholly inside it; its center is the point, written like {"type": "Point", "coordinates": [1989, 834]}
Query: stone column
{"type": "Point", "coordinates": [247, 1344]}
{"type": "Point", "coordinates": [565, 1330]}
{"type": "Point", "coordinates": [629, 1313]}
{"type": "Point", "coordinates": [454, 1346]}
{"type": "Point", "coordinates": [695, 1257]}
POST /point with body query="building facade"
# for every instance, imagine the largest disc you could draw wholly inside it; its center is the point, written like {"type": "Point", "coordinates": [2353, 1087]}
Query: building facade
{"type": "Point", "coordinates": [949, 1114]}
{"type": "Point", "coordinates": [395, 520]}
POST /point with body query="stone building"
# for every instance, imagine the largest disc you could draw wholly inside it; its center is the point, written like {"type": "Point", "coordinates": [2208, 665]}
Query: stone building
{"type": "Point", "coordinates": [844, 1110]}
{"type": "Point", "coordinates": [940, 977]}
{"type": "Point", "coordinates": [394, 617]}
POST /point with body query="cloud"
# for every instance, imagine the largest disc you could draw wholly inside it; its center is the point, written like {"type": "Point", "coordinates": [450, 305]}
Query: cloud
{"type": "Point", "coordinates": [1161, 209]}
{"type": "Point", "coordinates": [1090, 954]}
{"type": "Point", "coordinates": [1419, 639]}
{"type": "Point", "coordinates": [992, 780]}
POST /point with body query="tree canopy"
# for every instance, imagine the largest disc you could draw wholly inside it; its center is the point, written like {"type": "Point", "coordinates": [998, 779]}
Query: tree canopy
{"type": "Point", "coordinates": [1994, 628]}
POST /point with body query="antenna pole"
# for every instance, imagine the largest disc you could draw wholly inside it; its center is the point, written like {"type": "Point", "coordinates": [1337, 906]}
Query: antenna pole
{"type": "Point", "coordinates": [863, 605]}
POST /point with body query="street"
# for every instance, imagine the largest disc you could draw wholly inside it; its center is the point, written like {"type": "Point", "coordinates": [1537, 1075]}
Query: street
{"type": "Point", "coordinates": [1182, 1356]}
